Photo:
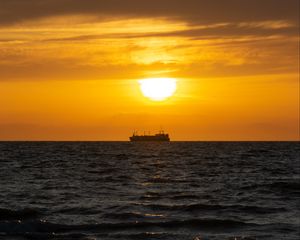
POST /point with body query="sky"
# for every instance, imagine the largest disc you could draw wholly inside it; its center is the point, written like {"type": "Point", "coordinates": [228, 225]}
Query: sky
{"type": "Point", "coordinates": [70, 69]}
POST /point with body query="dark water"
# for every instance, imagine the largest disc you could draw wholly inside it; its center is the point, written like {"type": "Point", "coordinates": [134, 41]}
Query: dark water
{"type": "Point", "coordinates": [177, 190]}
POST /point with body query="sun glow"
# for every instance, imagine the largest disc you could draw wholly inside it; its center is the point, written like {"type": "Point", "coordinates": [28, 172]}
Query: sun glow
{"type": "Point", "coordinates": [158, 89]}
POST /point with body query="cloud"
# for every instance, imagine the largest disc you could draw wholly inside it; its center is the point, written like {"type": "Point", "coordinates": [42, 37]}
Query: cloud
{"type": "Point", "coordinates": [64, 39]}
{"type": "Point", "coordinates": [191, 11]}
{"type": "Point", "coordinates": [223, 30]}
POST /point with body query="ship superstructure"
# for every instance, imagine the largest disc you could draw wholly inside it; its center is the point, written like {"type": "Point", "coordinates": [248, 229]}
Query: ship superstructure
{"type": "Point", "coordinates": [159, 137]}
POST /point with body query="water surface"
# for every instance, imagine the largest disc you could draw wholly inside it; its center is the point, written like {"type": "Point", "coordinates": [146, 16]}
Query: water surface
{"type": "Point", "coordinates": [123, 190]}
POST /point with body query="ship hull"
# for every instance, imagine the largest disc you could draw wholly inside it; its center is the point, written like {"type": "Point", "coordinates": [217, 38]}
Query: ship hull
{"type": "Point", "coordinates": [149, 139]}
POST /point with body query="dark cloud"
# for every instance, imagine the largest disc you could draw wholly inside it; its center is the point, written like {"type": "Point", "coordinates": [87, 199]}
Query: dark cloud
{"type": "Point", "coordinates": [230, 30]}
{"type": "Point", "coordinates": [67, 69]}
{"type": "Point", "coordinates": [192, 11]}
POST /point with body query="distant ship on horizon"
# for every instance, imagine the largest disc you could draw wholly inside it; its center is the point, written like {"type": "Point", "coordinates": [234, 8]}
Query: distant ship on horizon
{"type": "Point", "coordinates": [159, 137]}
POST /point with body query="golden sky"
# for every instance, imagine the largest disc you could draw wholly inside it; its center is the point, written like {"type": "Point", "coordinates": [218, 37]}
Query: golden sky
{"type": "Point", "coordinates": [70, 69]}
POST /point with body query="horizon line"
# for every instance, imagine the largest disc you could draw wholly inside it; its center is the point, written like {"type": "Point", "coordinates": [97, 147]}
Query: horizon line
{"type": "Point", "coordinates": [283, 140]}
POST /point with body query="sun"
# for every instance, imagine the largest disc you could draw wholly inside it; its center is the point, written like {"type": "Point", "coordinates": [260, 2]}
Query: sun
{"type": "Point", "coordinates": [158, 89]}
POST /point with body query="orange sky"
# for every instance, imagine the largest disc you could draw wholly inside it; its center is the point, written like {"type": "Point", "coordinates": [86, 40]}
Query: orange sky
{"type": "Point", "coordinates": [71, 71]}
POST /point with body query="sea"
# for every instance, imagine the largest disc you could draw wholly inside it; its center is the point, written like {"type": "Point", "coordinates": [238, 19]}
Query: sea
{"type": "Point", "coordinates": [150, 190]}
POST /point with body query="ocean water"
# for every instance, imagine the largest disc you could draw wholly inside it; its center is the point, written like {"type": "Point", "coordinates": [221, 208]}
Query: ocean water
{"type": "Point", "coordinates": [123, 190]}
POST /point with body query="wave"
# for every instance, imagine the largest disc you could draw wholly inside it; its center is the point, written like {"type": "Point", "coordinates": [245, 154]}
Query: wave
{"type": "Point", "coordinates": [22, 214]}
{"type": "Point", "coordinates": [124, 216]}
{"type": "Point", "coordinates": [286, 186]}
{"type": "Point", "coordinates": [277, 187]}
{"type": "Point", "coordinates": [215, 207]}
{"type": "Point", "coordinates": [140, 230]}
{"type": "Point", "coordinates": [22, 227]}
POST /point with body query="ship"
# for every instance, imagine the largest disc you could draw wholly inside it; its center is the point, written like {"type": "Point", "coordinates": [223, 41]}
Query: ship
{"type": "Point", "coordinates": [159, 137]}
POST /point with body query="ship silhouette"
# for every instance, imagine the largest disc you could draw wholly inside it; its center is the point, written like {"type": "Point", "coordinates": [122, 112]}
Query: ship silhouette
{"type": "Point", "coordinates": [161, 136]}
